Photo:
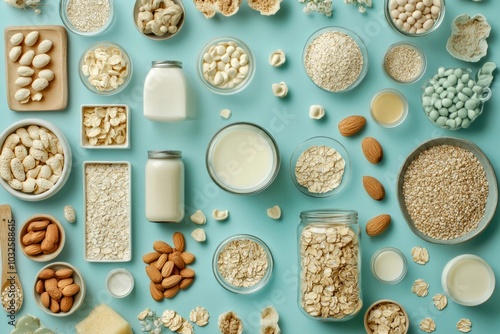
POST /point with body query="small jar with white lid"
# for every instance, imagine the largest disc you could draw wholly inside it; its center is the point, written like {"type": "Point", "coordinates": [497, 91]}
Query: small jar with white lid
{"type": "Point", "coordinates": [165, 92]}
{"type": "Point", "coordinates": [164, 186]}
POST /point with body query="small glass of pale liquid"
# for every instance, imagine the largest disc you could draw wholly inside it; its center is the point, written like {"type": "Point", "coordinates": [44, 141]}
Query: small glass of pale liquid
{"type": "Point", "coordinates": [389, 265]}
{"type": "Point", "coordinates": [389, 108]}
{"type": "Point", "coordinates": [468, 280]}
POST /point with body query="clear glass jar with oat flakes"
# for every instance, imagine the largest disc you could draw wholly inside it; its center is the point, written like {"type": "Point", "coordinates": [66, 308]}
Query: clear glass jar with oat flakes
{"type": "Point", "coordinates": [330, 264]}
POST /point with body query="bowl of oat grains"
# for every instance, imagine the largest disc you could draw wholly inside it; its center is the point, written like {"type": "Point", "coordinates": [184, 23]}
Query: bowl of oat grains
{"type": "Point", "coordinates": [335, 59]}
{"type": "Point", "coordinates": [320, 167]}
{"type": "Point", "coordinates": [87, 17]}
{"type": "Point", "coordinates": [447, 190]}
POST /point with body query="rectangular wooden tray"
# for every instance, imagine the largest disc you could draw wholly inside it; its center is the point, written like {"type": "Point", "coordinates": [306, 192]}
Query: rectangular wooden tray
{"type": "Point", "coordinates": [55, 96]}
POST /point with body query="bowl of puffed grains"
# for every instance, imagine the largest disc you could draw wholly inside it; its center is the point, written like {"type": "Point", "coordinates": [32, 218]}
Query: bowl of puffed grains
{"type": "Point", "coordinates": [447, 190]}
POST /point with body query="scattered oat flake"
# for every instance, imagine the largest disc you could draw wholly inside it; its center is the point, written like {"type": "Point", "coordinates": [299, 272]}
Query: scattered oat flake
{"type": "Point", "coordinates": [420, 288]}
{"type": "Point", "coordinates": [428, 325]}
{"type": "Point", "coordinates": [420, 255]}
{"type": "Point", "coordinates": [199, 316]}
{"type": "Point", "coordinates": [464, 325]}
{"type": "Point", "coordinates": [440, 301]}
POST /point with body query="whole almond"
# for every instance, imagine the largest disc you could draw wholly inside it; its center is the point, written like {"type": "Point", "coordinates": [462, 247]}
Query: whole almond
{"type": "Point", "coordinates": [179, 241]}
{"type": "Point", "coordinates": [179, 262]}
{"type": "Point", "coordinates": [150, 257]}
{"type": "Point", "coordinates": [155, 293]}
{"type": "Point", "coordinates": [161, 261]}
{"type": "Point", "coordinates": [38, 225]}
{"type": "Point", "coordinates": [45, 299]}
{"type": "Point", "coordinates": [373, 188]}
{"type": "Point", "coordinates": [39, 288]}
{"type": "Point", "coordinates": [48, 246]}
{"type": "Point", "coordinates": [159, 286]}
{"type": "Point", "coordinates": [187, 273]}
{"type": "Point", "coordinates": [54, 306]}
{"type": "Point", "coordinates": [167, 268]}
{"type": "Point", "coordinates": [171, 292]}
{"type": "Point", "coordinates": [186, 283]}
{"type": "Point", "coordinates": [378, 224]}
{"type": "Point", "coordinates": [37, 236]}
{"type": "Point", "coordinates": [188, 257]}
{"type": "Point", "coordinates": [64, 273]}
{"type": "Point", "coordinates": [54, 293]}
{"type": "Point", "coordinates": [153, 274]}
{"type": "Point", "coordinates": [351, 125]}
{"type": "Point", "coordinates": [50, 283]}
{"type": "Point", "coordinates": [66, 303]}
{"type": "Point", "coordinates": [33, 250]}
{"type": "Point", "coordinates": [162, 247]}
{"type": "Point", "coordinates": [61, 284]}
{"type": "Point", "coordinates": [52, 233]}
{"type": "Point", "coordinates": [71, 290]}
{"type": "Point", "coordinates": [170, 281]}
{"type": "Point", "coordinates": [46, 273]}
{"type": "Point", "coordinates": [173, 254]}
{"type": "Point", "coordinates": [372, 150]}
{"type": "Point", "coordinates": [175, 271]}
{"type": "Point", "coordinates": [26, 239]}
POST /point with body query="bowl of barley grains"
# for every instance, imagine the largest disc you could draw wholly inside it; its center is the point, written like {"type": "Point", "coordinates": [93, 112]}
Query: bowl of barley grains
{"type": "Point", "coordinates": [335, 59]}
{"type": "Point", "coordinates": [447, 190]}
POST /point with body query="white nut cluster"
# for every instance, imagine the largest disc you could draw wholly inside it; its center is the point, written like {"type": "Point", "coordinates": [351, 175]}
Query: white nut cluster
{"type": "Point", "coordinates": [30, 62]}
{"type": "Point", "coordinates": [220, 215]}
{"type": "Point", "coordinates": [226, 65]}
{"type": "Point", "coordinates": [105, 67]}
{"type": "Point", "coordinates": [199, 235]}
{"type": "Point", "coordinates": [159, 17]}
{"type": "Point", "coordinates": [415, 16]}
{"type": "Point", "coordinates": [32, 159]}
{"type": "Point", "coordinates": [105, 125]}
{"type": "Point", "coordinates": [316, 111]}
{"type": "Point", "coordinates": [277, 58]}
{"type": "Point", "coordinates": [280, 89]}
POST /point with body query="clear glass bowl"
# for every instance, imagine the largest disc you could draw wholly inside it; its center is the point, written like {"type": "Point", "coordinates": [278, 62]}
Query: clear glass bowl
{"type": "Point", "coordinates": [226, 90]}
{"type": "Point", "coordinates": [85, 79]}
{"type": "Point", "coordinates": [320, 141]}
{"type": "Point", "coordinates": [237, 289]}
{"type": "Point", "coordinates": [63, 12]}
{"type": "Point", "coordinates": [154, 37]}
{"type": "Point", "coordinates": [422, 57]}
{"type": "Point", "coordinates": [393, 25]}
{"type": "Point", "coordinates": [395, 252]}
{"type": "Point", "coordinates": [359, 42]}
{"type": "Point", "coordinates": [378, 119]}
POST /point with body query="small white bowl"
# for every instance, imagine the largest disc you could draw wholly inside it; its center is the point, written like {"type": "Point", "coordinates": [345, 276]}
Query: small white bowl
{"type": "Point", "coordinates": [67, 160]}
{"type": "Point", "coordinates": [119, 283]}
{"type": "Point", "coordinates": [84, 140]}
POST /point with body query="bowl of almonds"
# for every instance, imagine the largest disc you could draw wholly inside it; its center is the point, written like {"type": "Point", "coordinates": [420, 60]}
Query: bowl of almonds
{"type": "Point", "coordinates": [42, 238]}
{"type": "Point", "coordinates": [59, 289]}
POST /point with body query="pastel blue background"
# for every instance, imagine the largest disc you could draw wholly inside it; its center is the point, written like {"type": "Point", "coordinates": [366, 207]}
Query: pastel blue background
{"type": "Point", "coordinates": [288, 121]}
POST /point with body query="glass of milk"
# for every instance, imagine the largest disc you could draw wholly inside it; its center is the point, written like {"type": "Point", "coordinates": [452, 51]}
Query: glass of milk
{"type": "Point", "coordinates": [389, 265]}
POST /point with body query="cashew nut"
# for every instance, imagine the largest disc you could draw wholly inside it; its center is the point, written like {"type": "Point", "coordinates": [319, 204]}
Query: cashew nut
{"type": "Point", "coordinates": [274, 212]}
{"type": "Point", "coordinates": [15, 52]}
{"type": "Point", "coordinates": [31, 38]}
{"type": "Point", "coordinates": [27, 58]}
{"type": "Point", "coordinates": [198, 217]}
{"type": "Point", "coordinates": [44, 46]}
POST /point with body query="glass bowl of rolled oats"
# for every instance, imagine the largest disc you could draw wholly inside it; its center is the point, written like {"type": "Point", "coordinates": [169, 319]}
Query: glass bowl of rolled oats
{"type": "Point", "coordinates": [105, 68]}
{"type": "Point", "coordinates": [242, 264]}
{"type": "Point", "coordinates": [320, 166]}
{"type": "Point", "coordinates": [36, 159]}
{"type": "Point", "coordinates": [447, 190]}
{"type": "Point", "coordinates": [105, 126]}
{"type": "Point", "coordinates": [386, 313]}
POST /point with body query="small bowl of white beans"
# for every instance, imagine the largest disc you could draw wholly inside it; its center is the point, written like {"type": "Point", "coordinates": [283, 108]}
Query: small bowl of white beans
{"type": "Point", "coordinates": [87, 17]}
{"type": "Point", "coordinates": [414, 18]}
{"type": "Point", "coordinates": [226, 65]}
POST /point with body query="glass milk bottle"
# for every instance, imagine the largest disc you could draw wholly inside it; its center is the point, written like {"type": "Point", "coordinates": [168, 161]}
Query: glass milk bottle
{"type": "Point", "coordinates": [329, 254]}
{"type": "Point", "coordinates": [165, 92]}
{"type": "Point", "coordinates": [164, 186]}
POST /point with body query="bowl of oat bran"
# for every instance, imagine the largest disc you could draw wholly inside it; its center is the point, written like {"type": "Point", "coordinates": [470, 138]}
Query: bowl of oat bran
{"type": "Point", "coordinates": [87, 17]}
{"type": "Point", "coordinates": [242, 264]}
{"type": "Point", "coordinates": [335, 59]}
{"type": "Point", "coordinates": [447, 190]}
{"type": "Point", "coordinates": [320, 167]}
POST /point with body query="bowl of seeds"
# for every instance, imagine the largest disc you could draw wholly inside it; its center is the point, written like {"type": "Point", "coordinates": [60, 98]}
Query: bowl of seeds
{"type": "Point", "coordinates": [87, 17]}
{"type": "Point", "coordinates": [447, 190]}
{"type": "Point", "coordinates": [320, 167]}
{"type": "Point", "coordinates": [335, 59]}
{"type": "Point", "coordinates": [242, 264]}
{"type": "Point", "coordinates": [404, 62]}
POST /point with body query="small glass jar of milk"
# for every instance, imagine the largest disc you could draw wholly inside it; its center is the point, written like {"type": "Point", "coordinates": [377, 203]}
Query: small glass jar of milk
{"type": "Point", "coordinates": [164, 191]}
{"type": "Point", "coordinates": [329, 259]}
{"type": "Point", "coordinates": [389, 265]}
{"type": "Point", "coordinates": [243, 158]}
{"type": "Point", "coordinates": [165, 97]}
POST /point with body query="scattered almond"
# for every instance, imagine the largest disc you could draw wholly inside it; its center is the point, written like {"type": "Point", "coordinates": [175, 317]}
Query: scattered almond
{"type": "Point", "coordinates": [374, 188]}
{"type": "Point", "coordinates": [161, 261]}
{"type": "Point", "coordinates": [155, 292]}
{"type": "Point", "coordinates": [351, 125]}
{"type": "Point", "coordinates": [171, 292]}
{"type": "Point", "coordinates": [187, 257]}
{"type": "Point", "coordinates": [153, 274]}
{"type": "Point", "coordinates": [162, 247]}
{"type": "Point", "coordinates": [170, 281]}
{"type": "Point", "coordinates": [187, 273]}
{"type": "Point", "coordinates": [372, 150]}
{"type": "Point", "coordinates": [179, 262]}
{"type": "Point", "coordinates": [150, 257]}
{"type": "Point", "coordinates": [186, 282]}
{"type": "Point", "coordinates": [179, 241]}
{"type": "Point", "coordinates": [378, 224]}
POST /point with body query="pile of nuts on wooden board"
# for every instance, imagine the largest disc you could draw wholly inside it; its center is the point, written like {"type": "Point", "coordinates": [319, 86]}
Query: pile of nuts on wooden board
{"type": "Point", "coordinates": [447, 192]}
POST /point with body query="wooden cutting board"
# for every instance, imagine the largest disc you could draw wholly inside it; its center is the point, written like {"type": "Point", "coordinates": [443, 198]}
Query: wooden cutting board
{"type": "Point", "coordinates": [55, 96]}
